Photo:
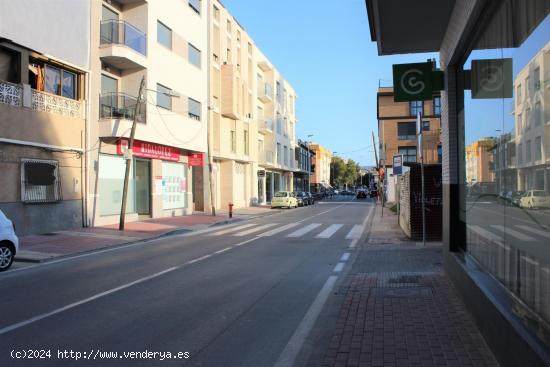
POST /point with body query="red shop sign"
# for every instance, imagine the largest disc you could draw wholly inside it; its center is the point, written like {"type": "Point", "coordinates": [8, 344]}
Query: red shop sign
{"type": "Point", "coordinates": [196, 159]}
{"type": "Point", "coordinates": [143, 149]}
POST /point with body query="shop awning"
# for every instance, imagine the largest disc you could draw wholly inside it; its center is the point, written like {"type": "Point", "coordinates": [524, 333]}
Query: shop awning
{"type": "Point", "coordinates": [405, 26]}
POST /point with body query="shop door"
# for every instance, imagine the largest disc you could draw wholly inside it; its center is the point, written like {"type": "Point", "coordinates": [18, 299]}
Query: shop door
{"type": "Point", "coordinates": [240, 183]}
{"type": "Point", "coordinates": [268, 191]}
{"type": "Point", "coordinates": [261, 181]}
{"type": "Point", "coordinates": [143, 187]}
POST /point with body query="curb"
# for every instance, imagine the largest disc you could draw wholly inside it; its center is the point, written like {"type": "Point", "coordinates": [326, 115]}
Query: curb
{"type": "Point", "coordinates": [173, 232]}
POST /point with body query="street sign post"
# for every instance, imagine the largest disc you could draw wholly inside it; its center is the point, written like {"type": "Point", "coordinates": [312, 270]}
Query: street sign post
{"type": "Point", "coordinates": [398, 164]}
{"type": "Point", "coordinates": [421, 155]}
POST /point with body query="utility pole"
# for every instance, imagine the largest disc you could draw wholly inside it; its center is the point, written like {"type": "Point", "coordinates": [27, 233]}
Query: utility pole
{"type": "Point", "coordinates": [420, 129]}
{"type": "Point", "coordinates": [128, 155]}
{"type": "Point", "coordinates": [208, 127]}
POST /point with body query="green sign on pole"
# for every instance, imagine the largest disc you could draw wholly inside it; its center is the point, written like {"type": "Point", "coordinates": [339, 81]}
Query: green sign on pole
{"type": "Point", "coordinates": [416, 82]}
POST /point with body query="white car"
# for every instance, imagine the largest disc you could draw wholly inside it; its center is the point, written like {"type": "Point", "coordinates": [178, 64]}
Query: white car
{"type": "Point", "coordinates": [283, 199]}
{"type": "Point", "coordinates": [535, 199]}
{"type": "Point", "coordinates": [9, 243]}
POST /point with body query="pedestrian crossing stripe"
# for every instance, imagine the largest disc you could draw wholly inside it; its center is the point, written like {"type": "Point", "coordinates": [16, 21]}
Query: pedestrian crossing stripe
{"type": "Point", "coordinates": [255, 229]}
{"type": "Point", "coordinates": [355, 232]}
{"type": "Point", "coordinates": [280, 229]}
{"type": "Point", "coordinates": [332, 229]}
{"type": "Point", "coordinates": [534, 230]}
{"type": "Point", "coordinates": [513, 233]}
{"type": "Point", "coordinates": [232, 229]}
{"type": "Point", "coordinates": [304, 230]}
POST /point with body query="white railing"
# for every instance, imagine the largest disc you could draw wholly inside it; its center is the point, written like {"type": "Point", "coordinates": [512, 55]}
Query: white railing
{"type": "Point", "coordinates": [47, 102]}
{"type": "Point", "coordinates": [11, 94]}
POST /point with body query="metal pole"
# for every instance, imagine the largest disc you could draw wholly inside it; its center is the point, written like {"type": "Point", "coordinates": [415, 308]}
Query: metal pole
{"type": "Point", "coordinates": [129, 155]}
{"type": "Point", "coordinates": [208, 127]}
{"type": "Point", "coordinates": [420, 149]}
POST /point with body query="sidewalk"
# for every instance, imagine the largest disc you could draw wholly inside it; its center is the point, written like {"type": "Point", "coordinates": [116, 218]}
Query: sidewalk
{"type": "Point", "coordinates": [400, 309]}
{"type": "Point", "coordinates": [48, 246]}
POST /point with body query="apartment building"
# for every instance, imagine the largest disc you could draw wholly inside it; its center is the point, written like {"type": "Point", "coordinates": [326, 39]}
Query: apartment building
{"type": "Point", "coordinates": [252, 117]}
{"type": "Point", "coordinates": [163, 44]}
{"type": "Point", "coordinates": [303, 156]}
{"type": "Point", "coordinates": [531, 117]}
{"type": "Point", "coordinates": [397, 128]}
{"type": "Point", "coordinates": [480, 161]}
{"type": "Point", "coordinates": [43, 102]}
{"type": "Point", "coordinates": [320, 179]}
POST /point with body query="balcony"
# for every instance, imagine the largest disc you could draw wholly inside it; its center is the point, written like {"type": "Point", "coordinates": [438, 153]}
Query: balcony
{"type": "Point", "coordinates": [15, 95]}
{"type": "Point", "coordinates": [119, 106]}
{"type": "Point", "coordinates": [122, 45]}
{"type": "Point", "coordinates": [265, 94]}
{"type": "Point", "coordinates": [265, 126]}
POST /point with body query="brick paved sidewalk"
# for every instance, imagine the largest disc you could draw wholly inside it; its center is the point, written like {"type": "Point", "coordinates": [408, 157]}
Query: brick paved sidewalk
{"type": "Point", "coordinates": [400, 309]}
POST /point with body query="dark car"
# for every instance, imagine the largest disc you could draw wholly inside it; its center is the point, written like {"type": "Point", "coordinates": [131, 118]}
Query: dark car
{"type": "Point", "coordinates": [361, 194]}
{"type": "Point", "coordinates": [311, 198]}
{"type": "Point", "coordinates": [516, 196]}
{"type": "Point", "coordinates": [302, 198]}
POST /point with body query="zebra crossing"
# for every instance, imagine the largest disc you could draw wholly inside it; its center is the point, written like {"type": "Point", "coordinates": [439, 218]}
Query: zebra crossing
{"type": "Point", "coordinates": [521, 232]}
{"type": "Point", "coordinates": [293, 230]}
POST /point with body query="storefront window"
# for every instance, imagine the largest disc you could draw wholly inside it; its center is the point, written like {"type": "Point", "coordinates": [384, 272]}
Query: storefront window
{"type": "Point", "coordinates": [174, 185]}
{"type": "Point", "coordinates": [111, 182]}
{"type": "Point", "coordinates": [506, 167]}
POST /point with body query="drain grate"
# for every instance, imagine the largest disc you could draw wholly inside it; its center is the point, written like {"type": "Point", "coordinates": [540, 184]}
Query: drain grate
{"type": "Point", "coordinates": [402, 292]}
{"type": "Point", "coordinates": [405, 279]}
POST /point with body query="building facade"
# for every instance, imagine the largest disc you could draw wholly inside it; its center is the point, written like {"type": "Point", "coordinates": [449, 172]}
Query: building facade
{"type": "Point", "coordinates": [43, 104]}
{"type": "Point", "coordinates": [397, 128]}
{"type": "Point", "coordinates": [320, 168]}
{"type": "Point", "coordinates": [479, 161]}
{"type": "Point", "coordinates": [493, 55]}
{"type": "Point", "coordinates": [252, 118]}
{"type": "Point", "coordinates": [303, 157]}
{"type": "Point", "coordinates": [164, 45]}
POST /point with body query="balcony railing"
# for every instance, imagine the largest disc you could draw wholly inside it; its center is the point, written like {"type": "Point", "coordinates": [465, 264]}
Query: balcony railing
{"type": "Point", "coordinates": [11, 94]}
{"type": "Point", "coordinates": [123, 33]}
{"type": "Point", "coordinates": [119, 106]}
{"type": "Point", "coordinates": [47, 102]}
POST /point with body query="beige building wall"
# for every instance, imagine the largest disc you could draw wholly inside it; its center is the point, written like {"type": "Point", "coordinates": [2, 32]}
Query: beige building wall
{"type": "Point", "coordinates": [182, 126]}
{"type": "Point", "coordinates": [479, 161]}
{"type": "Point", "coordinates": [243, 135]}
{"type": "Point", "coordinates": [322, 159]}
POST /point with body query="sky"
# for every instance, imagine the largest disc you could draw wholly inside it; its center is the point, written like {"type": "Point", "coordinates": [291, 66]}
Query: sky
{"type": "Point", "coordinates": [323, 48]}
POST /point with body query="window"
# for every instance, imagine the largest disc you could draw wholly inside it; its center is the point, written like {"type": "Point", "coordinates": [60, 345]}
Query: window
{"type": "Point", "coordinates": [164, 98]}
{"type": "Point", "coordinates": [528, 151]}
{"type": "Point", "coordinates": [520, 153]}
{"type": "Point", "coordinates": [519, 125]}
{"type": "Point", "coordinates": [406, 130]}
{"type": "Point", "coordinates": [279, 154]}
{"type": "Point", "coordinates": [536, 78]}
{"type": "Point", "coordinates": [194, 108]}
{"type": "Point", "coordinates": [538, 114]}
{"type": "Point", "coordinates": [8, 66]}
{"type": "Point", "coordinates": [527, 119]}
{"type": "Point", "coordinates": [216, 13]}
{"type": "Point", "coordinates": [518, 94]}
{"type": "Point", "coordinates": [60, 82]}
{"type": "Point", "coordinates": [415, 107]}
{"type": "Point", "coordinates": [164, 35]}
{"type": "Point", "coordinates": [228, 26]}
{"type": "Point", "coordinates": [285, 124]}
{"type": "Point", "coordinates": [194, 55]}
{"type": "Point", "coordinates": [425, 125]}
{"type": "Point", "coordinates": [527, 87]}
{"type": "Point", "coordinates": [409, 154]}
{"type": "Point", "coordinates": [195, 5]}
{"type": "Point", "coordinates": [233, 141]}
{"type": "Point", "coordinates": [285, 155]}
{"type": "Point", "coordinates": [279, 124]}
{"type": "Point", "coordinates": [249, 48]}
{"type": "Point", "coordinates": [437, 105]}
{"type": "Point", "coordinates": [279, 92]}
{"type": "Point", "coordinates": [40, 181]}
{"type": "Point", "coordinates": [238, 37]}
{"type": "Point", "coordinates": [538, 148]}
{"type": "Point", "coordinates": [245, 140]}
{"type": "Point", "coordinates": [228, 55]}
{"type": "Point", "coordinates": [439, 154]}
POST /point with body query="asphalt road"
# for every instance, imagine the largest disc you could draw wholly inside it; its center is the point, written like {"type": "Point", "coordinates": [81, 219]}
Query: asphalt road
{"type": "Point", "coordinates": [240, 295]}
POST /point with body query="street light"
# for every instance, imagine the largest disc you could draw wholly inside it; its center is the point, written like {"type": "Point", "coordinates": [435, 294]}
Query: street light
{"type": "Point", "coordinates": [332, 169]}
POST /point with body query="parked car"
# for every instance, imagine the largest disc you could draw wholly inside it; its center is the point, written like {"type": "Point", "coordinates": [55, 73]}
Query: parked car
{"type": "Point", "coordinates": [361, 194]}
{"type": "Point", "coordinates": [283, 199]}
{"type": "Point", "coordinates": [302, 198]}
{"type": "Point", "coordinates": [9, 243]}
{"type": "Point", "coordinates": [311, 198]}
{"type": "Point", "coordinates": [516, 196]}
{"type": "Point", "coordinates": [534, 199]}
